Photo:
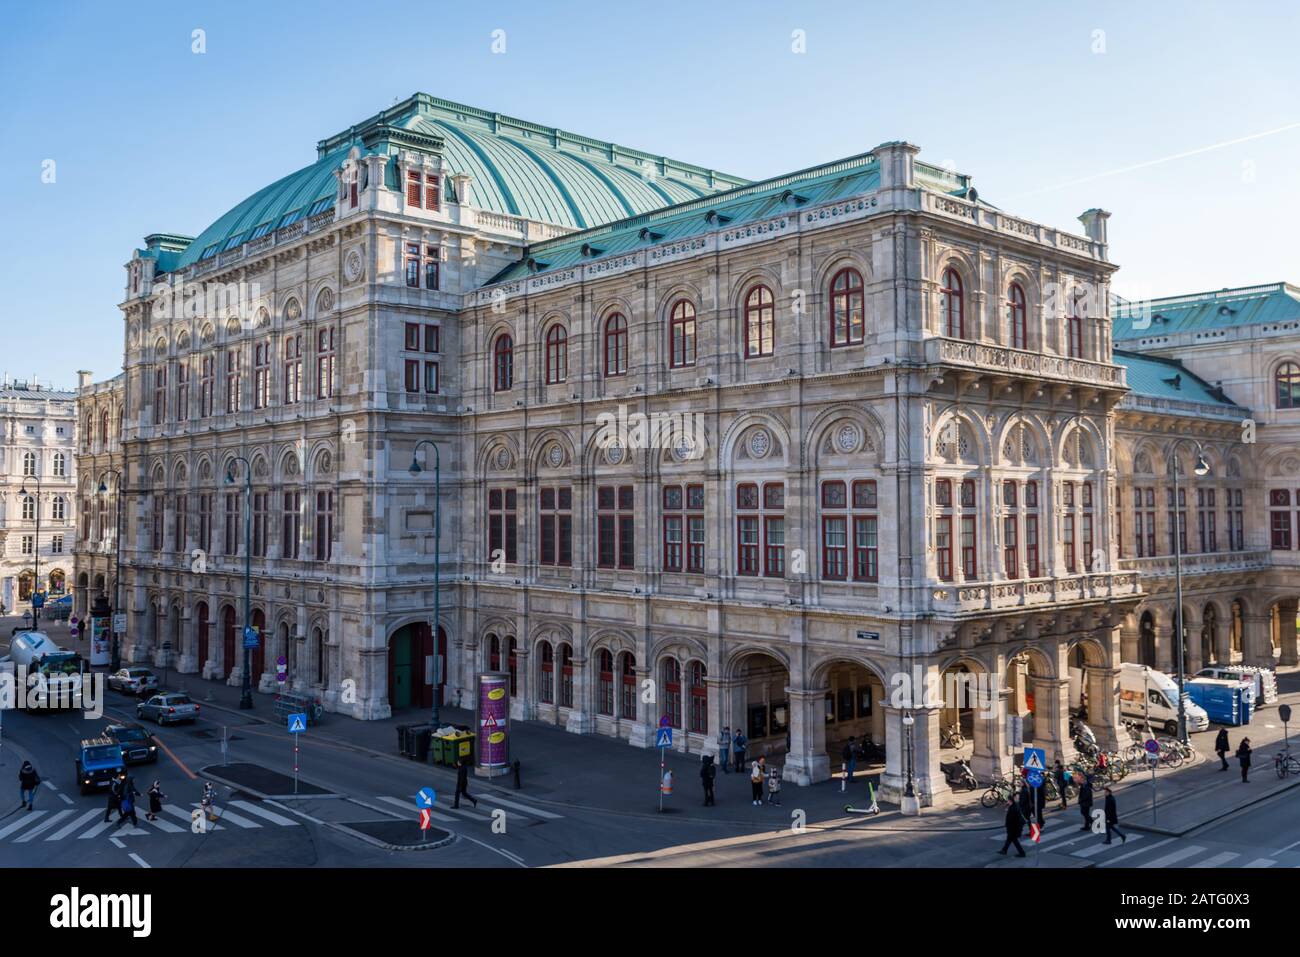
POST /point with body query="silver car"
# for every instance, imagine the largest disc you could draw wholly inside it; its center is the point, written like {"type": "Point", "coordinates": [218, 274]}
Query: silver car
{"type": "Point", "coordinates": [168, 708]}
{"type": "Point", "coordinates": [139, 681]}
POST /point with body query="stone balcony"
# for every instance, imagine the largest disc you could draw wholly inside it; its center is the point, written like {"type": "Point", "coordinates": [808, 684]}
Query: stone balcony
{"type": "Point", "coordinates": [963, 598]}
{"type": "Point", "coordinates": [997, 360]}
{"type": "Point", "coordinates": [1206, 563]}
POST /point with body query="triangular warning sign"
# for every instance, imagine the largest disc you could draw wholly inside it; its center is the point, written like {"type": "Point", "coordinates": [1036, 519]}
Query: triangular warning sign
{"type": "Point", "coordinates": [490, 723]}
{"type": "Point", "coordinates": [1033, 762]}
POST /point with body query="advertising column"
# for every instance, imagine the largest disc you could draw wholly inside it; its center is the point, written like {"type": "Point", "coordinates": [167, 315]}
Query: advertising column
{"type": "Point", "coordinates": [492, 724]}
{"type": "Point", "coordinates": [101, 641]}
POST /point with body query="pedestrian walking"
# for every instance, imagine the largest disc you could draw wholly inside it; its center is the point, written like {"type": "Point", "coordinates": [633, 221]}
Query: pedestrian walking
{"type": "Point", "coordinates": [1243, 755]}
{"type": "Point", "coordinates": [1112, 818]}
{"type": "Point", "coordinates": [462, 783]}
{"type": "Point", "coordinates": [757, 772]}
{"type": "Point", "coordinates": [207, 802]}
{"type": "Point", "coordinates": [1085, 802]}
{"type": "Point", "coordinates": [1040, 802]}
{"type": "Point", "coordinates": [724, 750]}
{"type": "Point", "coordinates": [1025, 802]}
{"type": "Point", "coordinates": [114, 797]}
{"type": "Point", "coordinates": [738, 745]}
{"type": "Point", "coordinates": [1222, 747]}
{"type": "Point", "coordinates": [707, 775]}
{"type": "Point", "coordinates": [774, 786]}
{"type": "Point", "coordinates": [126, 807]}
{"type": "Point", "coordinates": [1059, 773]}
{"type": "Point", "coordinates": [1015, 824]}
{"type": "Point", "coordinates": [156, 797]}
{"type": "Point", "coordinates": [850, 756]}
{"type": "Point", "coordinates": [28, 782]}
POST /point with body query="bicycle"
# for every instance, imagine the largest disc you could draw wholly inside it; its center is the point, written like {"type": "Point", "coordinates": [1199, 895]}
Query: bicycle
{"type": "Point", "coordinates": [1284, 763]}
{"type": "Point", "coordinates": [951, 737]}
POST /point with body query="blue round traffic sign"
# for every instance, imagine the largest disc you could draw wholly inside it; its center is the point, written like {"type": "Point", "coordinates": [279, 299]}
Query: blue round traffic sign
{"type": "Point", "coordinates": [426, 798]}
{"type": "Point", "coordinates": [1035, 779]}
{"type": "Point", "coordinates": [1152, 746]}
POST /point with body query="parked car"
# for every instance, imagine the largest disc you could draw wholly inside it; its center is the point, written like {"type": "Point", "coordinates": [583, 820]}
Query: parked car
{"type": "Point", "coordinates": [168, 709]}
{"type": "Point", "coordinates": [58, 609]}
{"type": "Point", "coordinates": [99, 761]}
{"type": "Point", "coordinates": [139, 681]}
{"type": "Point", "coordinates": [138, 746]}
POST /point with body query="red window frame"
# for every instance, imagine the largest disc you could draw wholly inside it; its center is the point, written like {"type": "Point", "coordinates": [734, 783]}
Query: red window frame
{"type": "Point", "coordinates": [943, 547]}
{"type": "Point", "coordinates": [555, 534]}
{"type": "Point", "coordinates": [566, 675]}
{"type": "Point", "coordinates": [414, 188]}
{"type": "Point", "coordinates": [1016, 317]}
{"type": "Point", "coordinates": [627, 681]}
{"type": "Point", "coordinates": [503, 524]}
{"type": "Point", "coordinates": [1279, 525]}
{"type": "Point", "coordinates": [615, 526]}
{"type": "Point", "coordinates": [681, 334]}
{"type": "Point", "coordinates": [323, 543]}
{"type": "Point", "coordinates": [952, 304]}
{"type": "Point", "coordinates": [699, 699]}
{"type": "Point", "coordinates": [557, 354]}
{"type": "Point", "coordinates": [413, 265]}
{"type": "Point", "coordinates": [503, 363]}
{"type": "Point", "coordinates": [683, 528]}
{"type": "Point", "coordinates": [847, 313]}
{"type": "Point", "coordinates": [605, 682]}
{"type": "Point", "coordinates": [546, 686]}
{"type": "Point", "coordinates": [615, 345]}
{"type": "Point", "coordinates": [671, 673]}
{"type": "Point", "coordinates": [969, 555]}
{"type": "Point", "coordinates": [760, 322]}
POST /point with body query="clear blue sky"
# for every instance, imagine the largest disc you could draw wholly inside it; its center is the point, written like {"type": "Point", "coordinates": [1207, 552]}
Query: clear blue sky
{"type": "Point", "coordinates": [149, 136]}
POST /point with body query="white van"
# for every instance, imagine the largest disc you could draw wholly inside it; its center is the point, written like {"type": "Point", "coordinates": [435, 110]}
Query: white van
{"type": "Point", "coordinates": [1146, 693]}
{"type": "Point", "coordinates": [1264, 680]}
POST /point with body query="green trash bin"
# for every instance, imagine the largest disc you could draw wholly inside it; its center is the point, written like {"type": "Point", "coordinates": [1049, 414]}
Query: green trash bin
{"type": "Point", "coordinates": [438, 752]}
{"type": "Point", "coordinates": [463, 747]}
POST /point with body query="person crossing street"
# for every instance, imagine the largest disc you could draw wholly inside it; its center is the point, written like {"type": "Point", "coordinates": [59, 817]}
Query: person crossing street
{"type": "Point", "coordinates": [1015, 825]}
{"type": "Point", "coordinates": [1112, 819]}
{"type": "Point", "coordinates": [707, 775]}
{"type": "Point", "coordinates": [28, 782]}
{"type": "Point", "coordinates": [1222, 747]}
{"type": "Point", "coordinates": [1085, 802]}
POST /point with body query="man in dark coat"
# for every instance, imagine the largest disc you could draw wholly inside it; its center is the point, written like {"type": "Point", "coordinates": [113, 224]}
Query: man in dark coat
{"type": "Point", "coordinates": [1221, 747]}
{"type": "Point", "coordinates": [1040, 802]}
{"type": "Point", "coordinates": [1059, 773]}
{"type": "Point", "coordinates": [28, 782]}
{"type": "Point", "coordinates": [1243, 755]}
{"type": "Point", "coordinates": [707, 774]}
{"type": "Point", "coordinates": [1112, 819]}
{"type": "Point", "coordinates": [1026, 803]}
{"type": "Point", "coordinates": [1015, 823]}
{"type": "Point", "coordinates": [1085, 803]}
{"type": "Point", "coordinates": [462, 783]}
{"type": "Point", "coordinates": [114, 797]}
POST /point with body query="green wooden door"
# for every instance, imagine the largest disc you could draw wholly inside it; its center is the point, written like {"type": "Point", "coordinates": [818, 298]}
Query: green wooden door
{"type": "Point", "coordinates": [400, 692]}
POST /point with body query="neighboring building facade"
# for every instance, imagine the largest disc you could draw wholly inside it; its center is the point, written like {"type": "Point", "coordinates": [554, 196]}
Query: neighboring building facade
{"type": "Point", "coordinates": [886, 422]}
{"type": "Point", "coordinates": [37, 492]}
{"type": "Point", "coordinates": [101, 410]}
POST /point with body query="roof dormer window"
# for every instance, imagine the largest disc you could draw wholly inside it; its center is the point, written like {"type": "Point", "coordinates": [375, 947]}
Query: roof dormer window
{"type": "Point", "coordinates": [421, 189]}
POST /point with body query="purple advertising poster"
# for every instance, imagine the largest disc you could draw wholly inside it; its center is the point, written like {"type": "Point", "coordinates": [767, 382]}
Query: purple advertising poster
{"type": "Point", "coordinates": [493, 720]}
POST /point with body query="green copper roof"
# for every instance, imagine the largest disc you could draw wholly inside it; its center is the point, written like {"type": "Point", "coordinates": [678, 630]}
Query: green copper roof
{"type": "Point", "coordinates": [517, 168]}
{"type": "Point", "coordinates": [1168, 379]}
{"type": "Point", "coordinates": [731, 208]}
{"type": "Point", "coordinates": [1251, 305]}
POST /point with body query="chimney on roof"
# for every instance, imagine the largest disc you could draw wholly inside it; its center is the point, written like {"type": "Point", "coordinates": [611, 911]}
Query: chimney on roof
{"type": "Point", "coordinates": [897, 161]}
{"type": "Point", "coordinates": [83, 378]}
{"type": "Point", "coordinates": [1094, 224]}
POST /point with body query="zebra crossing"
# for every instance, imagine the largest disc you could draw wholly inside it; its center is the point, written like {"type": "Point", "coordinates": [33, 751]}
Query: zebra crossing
{"type": "Point", "coordinates": [445, 813]}
{"type": "Point", "coordinates": [34, 827]}
{"type": "Point", "coordinates": [1143, 850]}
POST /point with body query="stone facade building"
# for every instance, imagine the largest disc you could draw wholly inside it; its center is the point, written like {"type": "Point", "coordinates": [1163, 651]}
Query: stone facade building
{"type": "Point", "coordinates": [37, 483]}
{"type": "Point", "coordinates": [735, 453]}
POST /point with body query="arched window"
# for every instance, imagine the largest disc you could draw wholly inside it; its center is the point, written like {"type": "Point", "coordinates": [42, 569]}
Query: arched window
{"type": "Point", "coordinates": [103, 427]}
{"type": "Point", "coordinates": [512, 665]}
{"type": "Point", "coordinates": [557, 354]}
{"type": "Point", "coordinates": [846, 308]}
{"type": "Point", "coordinates": [699, 699]}
{"type": "Point", "coordinates": [671, 675]}
{"type": "Point", "coordinates": [627, 680]}
{"type": "Point", "coordinates": [318, 642]}
{"type": "Point", "coordinates": [952, 305]}
{"type": "Point", "coordinates": [58, 510]}
{"type": "Point", "coordinates": [566, 676]}
{"type": "Point", "coordinates": [29, 463]}
{"type": "Point", "coordinates": [615, 345]}
{"type": "Point", "coordinates": [681, 335]}
{"type": "Point", "coordinates": [546, 684]}
{"type": "Point", "coordinates": [60, 465]}
{"type": "Point", "coordinates": [1287, 379]}
{"type": "Point", "coordinates": [1074, 327]}
{"type": "Point", "coordinates": [760, 322]}
{"type": "Point", "coordinates": [503, 356]}
{"type": "Point", "coordinates": [29, 508]}
{"type": "Point", "coordinates": [605, 683]}
{"type": "Point", "coordinates": [1018, 327]}
{"type": "Point", "coordinates": [494, 653]}
{"type": "Point", "coordinates": [160, 394]}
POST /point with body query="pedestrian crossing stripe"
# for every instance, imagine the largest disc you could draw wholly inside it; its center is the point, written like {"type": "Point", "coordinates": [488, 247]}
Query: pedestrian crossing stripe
{"type": "Point", "coordinates": [85, 825]}
{"type": "Point", "coordinates": [441, 810]}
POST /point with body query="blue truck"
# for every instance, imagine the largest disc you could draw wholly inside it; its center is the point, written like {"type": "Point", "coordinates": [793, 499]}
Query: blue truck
{"type": "Point", "coordinates": [1226, 702]}
{"type": "Point", "coordinates": [99, 761]}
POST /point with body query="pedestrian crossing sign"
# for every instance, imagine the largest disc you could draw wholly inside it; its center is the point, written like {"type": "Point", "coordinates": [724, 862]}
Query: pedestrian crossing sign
{"type": "Point", "coordinates": [664, 738]}
{"type": "Point", "coordinates": [297, 723]}
{"type": "Point", "coordinates": [1035, 759]}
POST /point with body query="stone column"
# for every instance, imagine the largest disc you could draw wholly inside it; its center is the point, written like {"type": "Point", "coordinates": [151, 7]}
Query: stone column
{"type": "Point", "coordinates": [1129, 638]}
{"type": "Point", "coordinates": [579, 720]}
{"type": "Point", "coordinates": [719, 714]}
{"type": "Point", "coordinates": [523, 706]}
{"type": "Point", "coordinates": [1256, 640]}
{"type": "Point", "coordinates": [642, 734]}
{"type": "Point", "coordinates": [991, 755]}
{"type": "Point", "coordinates": [1287, 637]}
{"type": "Point", "coordinates": [1192, 625]}
{"type": "Point", "coordinates": [807, 762]}
{"type": "Point", "coordinates": [1102, 683]}
{"type": "Point", "coordinates": [1052, 716]}
{"type": "Point", "coordinates": [1164, 629]}
{"type": "Point", "coordinates": [893, 781]}
{"type": "Point", "coordinates": [930, 780]}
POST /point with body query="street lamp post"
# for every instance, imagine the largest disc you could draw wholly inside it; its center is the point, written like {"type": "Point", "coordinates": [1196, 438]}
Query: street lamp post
{"type": "Point", "coordinates": [246, 693]}
{"type": "Point", "coordinates": [36, 550]}
{"type": "Point", "coordinates": [415, 469]}
{"type": "Point", "coordinates": [1201, 468]}
{"type": "Point", "coordinates": [117, 562]}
